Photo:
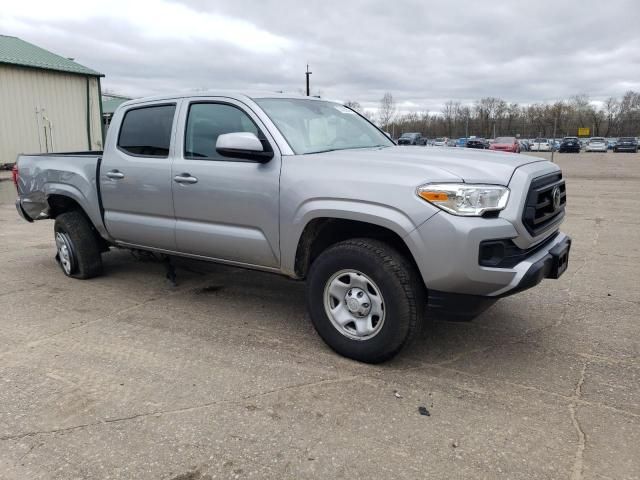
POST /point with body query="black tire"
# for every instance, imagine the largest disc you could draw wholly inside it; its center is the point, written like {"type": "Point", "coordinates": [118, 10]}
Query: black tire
{"type": "Point", "coordinates": [400, 286]}
{"type": "Point", "coordinates": [83, 242]}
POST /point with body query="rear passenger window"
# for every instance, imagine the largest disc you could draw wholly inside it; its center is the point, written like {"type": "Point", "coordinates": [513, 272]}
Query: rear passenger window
{"type": "Point", "coordinates": [206, 121]}
{"type": "Point", "coordinates": [147, 131]}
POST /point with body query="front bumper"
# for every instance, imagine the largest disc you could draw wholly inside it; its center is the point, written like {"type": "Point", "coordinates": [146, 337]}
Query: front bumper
{"type": "Point", "coordinates": [449, 258]}
{"type": "Point", "coordinates": [446, 247]}
{"type": "Point", "coordinates": [464, 307]}
{"type": "Point", "coordinates": [551, 264]}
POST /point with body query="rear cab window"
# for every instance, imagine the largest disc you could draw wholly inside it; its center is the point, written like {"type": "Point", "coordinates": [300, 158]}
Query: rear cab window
{"type": "Point", "coordinates": [146, 131]}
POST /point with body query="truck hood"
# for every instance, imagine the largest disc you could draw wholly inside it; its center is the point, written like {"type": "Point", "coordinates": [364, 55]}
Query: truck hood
{"type": "Point", "coordinates": [422, 163]}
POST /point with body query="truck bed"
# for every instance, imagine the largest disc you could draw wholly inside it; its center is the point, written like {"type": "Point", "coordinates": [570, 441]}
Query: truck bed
{"type": "Point", "coordinates": [47, 178]}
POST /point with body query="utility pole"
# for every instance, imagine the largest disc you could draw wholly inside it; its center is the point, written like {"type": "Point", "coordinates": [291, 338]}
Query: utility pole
{"type": "Point", "coordinates": [307, 73]}
{"type": "Point", "coordinates": [555, 123]}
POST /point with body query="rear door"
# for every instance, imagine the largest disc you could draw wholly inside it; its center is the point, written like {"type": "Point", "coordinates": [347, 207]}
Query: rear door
{"type": "Point", "coordinates": [230, 209]}
{"type": "Point", "coordinates": [135, 177]}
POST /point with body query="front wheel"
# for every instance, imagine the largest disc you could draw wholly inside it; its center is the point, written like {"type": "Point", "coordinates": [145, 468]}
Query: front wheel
{"type": "Point", "coordinates": [365, 299]}
{"type": "Point", "coordinates": [77, 245]}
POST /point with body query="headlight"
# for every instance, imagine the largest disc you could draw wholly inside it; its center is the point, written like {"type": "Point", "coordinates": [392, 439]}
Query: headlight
{"type": "Point", "coordinates": [463, 199]}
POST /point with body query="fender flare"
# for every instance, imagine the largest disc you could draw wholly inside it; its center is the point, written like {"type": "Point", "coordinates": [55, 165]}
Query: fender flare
{"type": "Point", "coordinates": [91, 209]}
{"type": "Point", "coordinates": [343, 209]}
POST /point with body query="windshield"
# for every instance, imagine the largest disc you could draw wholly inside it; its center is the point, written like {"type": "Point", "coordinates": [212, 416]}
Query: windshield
{"type": "Point", "coordinates": [570, 139]}
{"type": "Point", "coordinates": [599, 140]}
{"type": "Point", "coordinates": [313, 126]}
{"type": "Point", "coordinates": [409, 135]}
{"type": "Point", "coordinates": [540, 140]}
{"type": "Point", "coordinates": [505, 140]}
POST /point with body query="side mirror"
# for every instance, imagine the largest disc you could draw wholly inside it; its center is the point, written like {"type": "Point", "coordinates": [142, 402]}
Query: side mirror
{"type": "Point", "coordinates": [242, 145]}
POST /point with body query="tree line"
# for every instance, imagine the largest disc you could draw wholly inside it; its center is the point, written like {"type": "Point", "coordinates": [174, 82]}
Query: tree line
{"type": "Point", "coordinates": [491, 116]}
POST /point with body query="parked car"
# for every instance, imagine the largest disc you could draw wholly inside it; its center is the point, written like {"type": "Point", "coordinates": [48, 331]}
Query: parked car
{"type": "Point", "coordinates": [611, 143]}
{"type": "Point", "coordinates": [440, 142]}
{"type": "Point", "coordinates": [276, 183]}
{"type": "Point", "coordinates": [596, 144]}
{"type": "Point", "coordinates": [505, 144]}
{"type": "Point", "coordinates": [461, 142]}
{"type": "Point", "coordinates": [451, 143]}
{"type": "Point", "coordinates": [410, 139]}
{"type": "Point", "coordinates": [570, 144]}
{"type": "Point", "coordinates": [626, 144]}
{"type": "Point", "coordinates": [480, 143]}
{"type": "Point", "coordinates": [524, 145]}
{"type": "Point", "coordinates": [541, 145]}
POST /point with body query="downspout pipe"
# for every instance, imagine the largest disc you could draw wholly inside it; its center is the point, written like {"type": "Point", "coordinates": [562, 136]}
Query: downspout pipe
{"type": "Point", "coordinates": [101, 112]}
{"type": "Point", "coordinates": [88, 114]}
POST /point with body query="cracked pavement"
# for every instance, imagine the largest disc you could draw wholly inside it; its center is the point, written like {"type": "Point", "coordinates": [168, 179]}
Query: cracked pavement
{"type": "Point", "coordinates": [224, 377]}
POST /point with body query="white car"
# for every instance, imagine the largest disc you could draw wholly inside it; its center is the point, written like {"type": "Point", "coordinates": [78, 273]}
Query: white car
{"type": "Point", "coordinates": [596, 144]}
{"type": "Point", "coordinates": [440, 142]}
{"type": "Point", "coordinates": [540, 145]}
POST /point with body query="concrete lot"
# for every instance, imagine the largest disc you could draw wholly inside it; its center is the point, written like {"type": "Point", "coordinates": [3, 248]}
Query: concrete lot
{"type": "Point", "coordinates": [224, 377]}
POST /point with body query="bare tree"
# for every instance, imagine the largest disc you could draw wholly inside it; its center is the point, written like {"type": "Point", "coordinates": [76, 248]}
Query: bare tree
{"type": "Point", "coordinates": [611, 110]}
{"type": "Point", "coordinates": [616, 117]}
{"type": "Point", "coordinates": [387, 110]}
{"type": "Point", "coordinates": [448, 113]}
{"type": "Point", "coordinates": [353, 105]}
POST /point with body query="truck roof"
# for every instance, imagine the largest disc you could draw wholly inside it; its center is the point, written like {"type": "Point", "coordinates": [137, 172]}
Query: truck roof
{"type": "Point", "coordinates": [234, 94]}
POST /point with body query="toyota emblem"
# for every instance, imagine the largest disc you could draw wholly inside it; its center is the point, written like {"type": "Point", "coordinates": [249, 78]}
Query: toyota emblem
{"type": "Point", "coordinates": [556, 197]}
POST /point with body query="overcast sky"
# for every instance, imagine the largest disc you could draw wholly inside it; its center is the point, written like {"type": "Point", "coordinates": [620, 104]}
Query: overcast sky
{"type": "Point", "coordinates": [423, 52]}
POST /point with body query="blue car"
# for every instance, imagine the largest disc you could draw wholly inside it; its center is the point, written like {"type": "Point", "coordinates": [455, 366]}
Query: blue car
{"type": "Point", "coordinates": [461, 142]}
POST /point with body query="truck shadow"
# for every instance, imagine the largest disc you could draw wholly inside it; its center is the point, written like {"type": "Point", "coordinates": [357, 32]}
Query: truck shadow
{"type": "Point", "coordinates": [214, 296]}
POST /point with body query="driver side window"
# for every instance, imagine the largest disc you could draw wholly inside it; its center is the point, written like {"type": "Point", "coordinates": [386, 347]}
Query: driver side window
{"type": "Point", "coordinates": [206, 121]}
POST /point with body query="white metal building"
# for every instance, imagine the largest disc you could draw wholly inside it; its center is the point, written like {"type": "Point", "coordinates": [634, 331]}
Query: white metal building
{"type": "Point", "coordinates": [47, 102]}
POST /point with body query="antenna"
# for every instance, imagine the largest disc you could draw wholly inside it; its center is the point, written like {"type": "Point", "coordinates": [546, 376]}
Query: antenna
{"type": "Point", "coordinates": [307, 73]}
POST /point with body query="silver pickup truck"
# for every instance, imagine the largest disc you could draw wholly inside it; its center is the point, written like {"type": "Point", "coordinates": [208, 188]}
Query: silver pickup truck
{"type": "Point", "coordinates": [383, 235]}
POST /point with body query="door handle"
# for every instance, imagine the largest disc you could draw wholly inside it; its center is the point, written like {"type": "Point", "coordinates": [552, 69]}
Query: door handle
{"type": "Point", "coordinates": [185, 178]}
{"type": "Point", "coordinates": [115, 174]}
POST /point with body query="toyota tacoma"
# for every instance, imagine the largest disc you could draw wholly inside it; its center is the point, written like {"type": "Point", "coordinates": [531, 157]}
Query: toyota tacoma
{"type": "Point", "coordinates": [384, 236]}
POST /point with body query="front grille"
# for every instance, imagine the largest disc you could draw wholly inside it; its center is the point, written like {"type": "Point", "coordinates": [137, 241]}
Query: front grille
{"type": "Point", "coordinates": [540, 211]}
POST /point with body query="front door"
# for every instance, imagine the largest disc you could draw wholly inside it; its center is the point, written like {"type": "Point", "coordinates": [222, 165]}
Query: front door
{"type": "Point", "coordinates": [225, 208]}
{"type": "Point", "coordinates": [135, 178]}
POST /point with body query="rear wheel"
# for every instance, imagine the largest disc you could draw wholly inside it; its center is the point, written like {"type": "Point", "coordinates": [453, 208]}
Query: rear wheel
{"type": "Point", "coordinates": [77, 244]}
{"type": "Point", "coordinates": [365, 299]}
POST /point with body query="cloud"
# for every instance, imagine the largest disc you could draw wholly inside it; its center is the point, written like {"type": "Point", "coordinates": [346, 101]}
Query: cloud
{"type": "Point", "coordinates": [423, 52]}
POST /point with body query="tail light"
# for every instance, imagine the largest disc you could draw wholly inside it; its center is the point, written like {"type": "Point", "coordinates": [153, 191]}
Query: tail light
{"type": "Point", "coordinates": [15, 175]}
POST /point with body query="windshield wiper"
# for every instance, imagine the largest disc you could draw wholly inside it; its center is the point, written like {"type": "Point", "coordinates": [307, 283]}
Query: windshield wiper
{"type": "Point", "coordinates": [346, 148]}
